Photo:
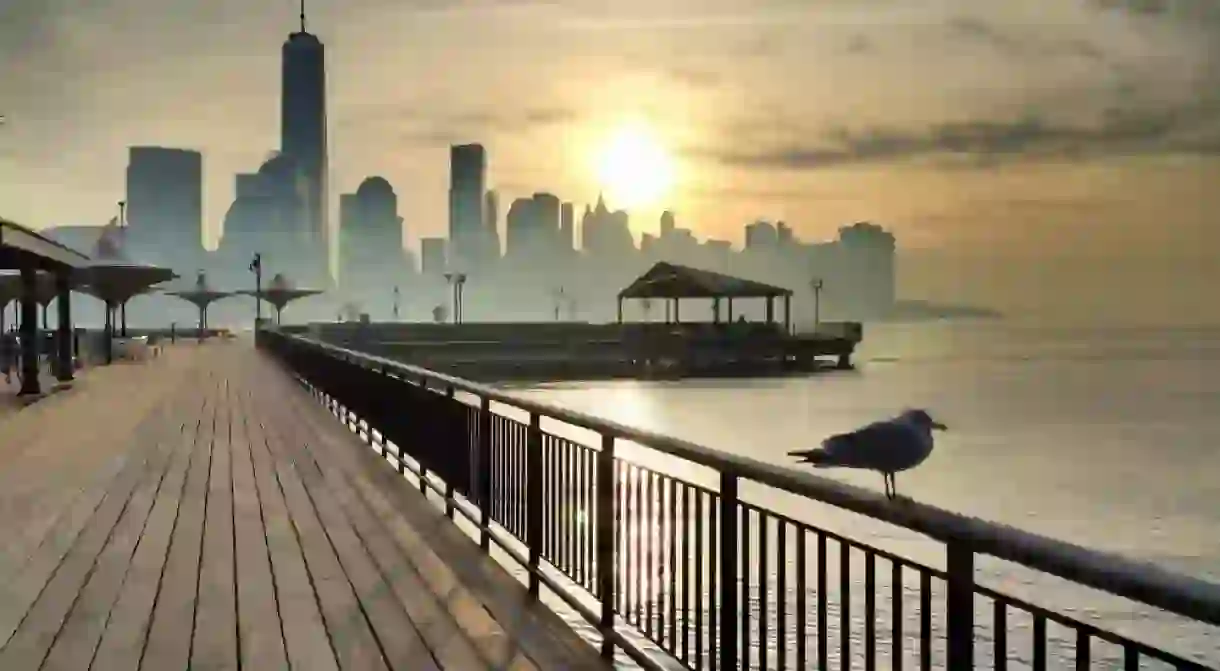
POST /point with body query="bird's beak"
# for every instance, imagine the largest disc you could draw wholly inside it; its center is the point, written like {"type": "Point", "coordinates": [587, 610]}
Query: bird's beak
{"type": "Point", "coordinates": [939, 427]}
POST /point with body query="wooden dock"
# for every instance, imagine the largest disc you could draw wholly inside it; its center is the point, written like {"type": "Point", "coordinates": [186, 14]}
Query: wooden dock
{"type": "Point", "coordinates": [201, 511]}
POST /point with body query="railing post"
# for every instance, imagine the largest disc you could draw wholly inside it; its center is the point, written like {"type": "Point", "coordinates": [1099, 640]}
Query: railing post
{"type": "Point", "coordinates": [533, 499]}
{"type": "Point", "coordinates": [484, 472]}
{"type": "Point", "coordinates": [449, 485]}
{"type": "Point", "coordinates": [423, 470]}
{"type": "Point", "coordinates": [959, 602]}
{"type": "Point", "coordinates": [730, 619]}
{"type": "Point", "coordinates": [607, 523]}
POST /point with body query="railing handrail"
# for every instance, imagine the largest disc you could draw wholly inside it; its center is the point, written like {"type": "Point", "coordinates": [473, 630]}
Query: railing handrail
{"type": "Point", "coordinates": [1136, 580]}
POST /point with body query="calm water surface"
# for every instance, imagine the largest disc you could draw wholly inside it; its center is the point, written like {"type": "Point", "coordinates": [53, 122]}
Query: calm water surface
{"type": "Point", "coordinates": [1109, 439]}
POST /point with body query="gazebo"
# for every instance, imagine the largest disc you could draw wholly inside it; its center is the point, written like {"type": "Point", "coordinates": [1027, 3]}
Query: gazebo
{"type": "Point", "coordinates": [673, 282]}
{"type": "Point", "coordinates": [201, 296]}
{"type": "Point", "coordinates": [280, 293]}
{"type": "Point", "coordinates": [114, 279]}
{"type": "Point", "coordinates": [28, 252]}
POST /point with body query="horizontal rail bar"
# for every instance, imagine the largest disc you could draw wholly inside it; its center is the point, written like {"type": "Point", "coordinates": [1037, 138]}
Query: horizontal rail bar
{"type": "Point", "coordinates": [1139, 581]}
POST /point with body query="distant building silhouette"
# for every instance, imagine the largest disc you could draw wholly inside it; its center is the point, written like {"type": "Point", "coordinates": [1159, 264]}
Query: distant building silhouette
{"type": "Point", "coordinates": [567, 228]}
{"type": "Point", "coordinates": [604, 233]}
{"type": "Point", "coordinates": [491, 220]}
{"type": "Point", "coordinates": [372, 259]}
{"type": "Point", "coordinates": [761, 234]}
{"type": "Point", "coordinates": [868, 266]}
{"type": "Point", "coordinates": [303, 137]}
{"type": "Point", "coordinates": [432, 256]}
{"type": "Point", "coordinates": [165, 206]}
{"type": "Point", "coordinates": [468, 239]}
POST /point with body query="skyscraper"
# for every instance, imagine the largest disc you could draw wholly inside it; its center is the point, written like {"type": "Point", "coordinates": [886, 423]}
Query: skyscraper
{"type": "Point", "coordinates": [303, 135]}
{"type": "Point", "coordinates": [567, 228]}
{"type": "Point", "coordinates": [165, 206]}
{"type": "Point", "coordinates": [468, 243]}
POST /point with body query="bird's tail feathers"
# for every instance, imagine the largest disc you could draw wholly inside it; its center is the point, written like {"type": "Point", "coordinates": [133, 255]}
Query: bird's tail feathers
{"type": "Point", "coordinates": [816, 456]}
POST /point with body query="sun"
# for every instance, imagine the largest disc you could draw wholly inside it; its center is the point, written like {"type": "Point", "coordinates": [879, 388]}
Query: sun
{"type": "Point", "coordinates": [634, 168]}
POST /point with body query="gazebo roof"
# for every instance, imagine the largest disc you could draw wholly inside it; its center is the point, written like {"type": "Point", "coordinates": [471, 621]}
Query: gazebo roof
{"type": "Point", "coordinates": [670, 280]}
{"type": "Point", "coordinates": [19, 243]}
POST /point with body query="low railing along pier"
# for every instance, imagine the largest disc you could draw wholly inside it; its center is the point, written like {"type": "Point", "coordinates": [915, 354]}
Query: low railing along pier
{"type": "Point", "coordinates": [715, 579]}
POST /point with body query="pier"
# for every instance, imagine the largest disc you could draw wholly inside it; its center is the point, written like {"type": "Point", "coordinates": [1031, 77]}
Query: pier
{"type": "Point", "coordinates": [200, 510]}
{"type": "Point", "coordinates": [671, 552]}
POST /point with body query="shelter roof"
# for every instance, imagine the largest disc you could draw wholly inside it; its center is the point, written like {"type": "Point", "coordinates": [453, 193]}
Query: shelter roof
{"type": "Point", "coordinates": [670, 280]}
{"type": "Point", "coordinates": [19, 242]}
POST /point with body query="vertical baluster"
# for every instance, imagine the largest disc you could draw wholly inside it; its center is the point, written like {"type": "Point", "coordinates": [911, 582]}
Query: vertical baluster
{"type": "Point", "coordinates": [897, 593]}
{"type": "Point", "coordinates": [550, 493]}
{"type": "Point", "coordinates": [533, 504]}
{"type": "Point", "coordinates": [650, 570]}
{"type": "Point", "coordinates": [959, 601]}
{"type": "Point", "coordinates": [844, 606]}
{"type": "Point", "coordinates": [1131, 658]}
{"type": "Point", "coordinates": [588, 504]}
{"type": "Point", "coordinates": [745, 605]}
{"type": "Point", "coordinates": [1039, 657]}
{"type": "Point", "coordinates": [687, 574]}
{"type": "Point", "coordinates": [484, 471]}
{"type": "Point", "coordinates": [621, 538]}
{"type": "Point", "coordinates": [449, 489]}
{"type": "Point", "coordinates": [823, 643]}
{"type": "Point", "coordinates": [715, 601]}
{"type": "Point", "coordinates": [702, 552]}
{"type": "Point", "coordinates": [999, 651]}
{"type": "Point", "coordinates": [605, 525]}
{"type": "Point", "coordinates": [870, 610]}
{"type": "Point", "coordinates": [925, 620]}
{"type": "Point", "coordinates": [729, 606]}
{"type": "Point", "coordinates": [671, 568]}
{"type": "Point", "coordinates": [764, 605]}
{"type": "Point", "coordinates": [637, 572]}
{"type": "Point", "coordinates": [566, 491]}
{"type": "Point", "coordinates": [801, 580]}
{"type": "Point", "coordinates": [781, 591]}
{"type": "Point", "coordinates": [1082, 650]}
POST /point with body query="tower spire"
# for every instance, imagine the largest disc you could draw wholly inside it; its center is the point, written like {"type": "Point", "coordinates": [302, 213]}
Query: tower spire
{"type": "Point", "coordinates": [303, 16]}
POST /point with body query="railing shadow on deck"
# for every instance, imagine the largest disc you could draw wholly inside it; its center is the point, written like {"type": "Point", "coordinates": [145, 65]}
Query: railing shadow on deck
{"type": "Point", "coordinates": [683, 565]}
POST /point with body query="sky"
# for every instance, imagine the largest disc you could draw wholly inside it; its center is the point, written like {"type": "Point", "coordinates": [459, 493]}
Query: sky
{"type": "Point", "coordinates": [1050, 158]}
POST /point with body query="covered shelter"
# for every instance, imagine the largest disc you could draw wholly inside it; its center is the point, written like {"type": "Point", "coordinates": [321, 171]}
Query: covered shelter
{"type": "Point", "coordinates": [673, 282]}
{"type": "Point", "coordinates": [280, 293]}
{"type": "Point", "coordinates": [28, 253]}
{"type": "Point", "coordinates": [201, 296]}
{"type": "Point", "coordinates": [114, 279]}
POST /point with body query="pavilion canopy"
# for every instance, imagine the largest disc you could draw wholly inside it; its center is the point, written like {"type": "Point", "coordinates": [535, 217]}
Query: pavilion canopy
{"type": "Point", "coordinates": [670, 280]}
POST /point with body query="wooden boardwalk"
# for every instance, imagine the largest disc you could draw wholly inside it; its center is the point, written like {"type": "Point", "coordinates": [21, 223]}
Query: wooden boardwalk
{"type": "Point", "coordinates": [201, 511]}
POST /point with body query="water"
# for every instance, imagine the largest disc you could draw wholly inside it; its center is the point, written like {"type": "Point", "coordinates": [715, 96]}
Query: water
{"type": "Point", "coordinates": [1109, 439]}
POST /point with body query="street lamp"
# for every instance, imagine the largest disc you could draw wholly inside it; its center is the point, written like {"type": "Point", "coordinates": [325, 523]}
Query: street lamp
{"type": "Point", "coordinates": [395, 302]}
{"type": "Point", "coordinates": [816, 284]}
{"type": "Point", "coordinates": [456, 280]}
{"type": "Point", "coordinates": [256, 267]}
{"type": "Point", "coordinates": [559, 296]}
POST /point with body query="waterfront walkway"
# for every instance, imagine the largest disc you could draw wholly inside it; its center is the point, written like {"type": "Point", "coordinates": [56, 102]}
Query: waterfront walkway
{"type": "Point", "coordinates": [201, 511]}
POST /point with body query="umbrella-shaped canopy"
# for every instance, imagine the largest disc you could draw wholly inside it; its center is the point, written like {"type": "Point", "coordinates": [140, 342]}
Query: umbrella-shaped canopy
{"type": "Point", "coordinates": [201, 295]}
{"type": "Point", "coordinates": [281, 292]}
{"type": "Point", "coordinates": [115, 279]}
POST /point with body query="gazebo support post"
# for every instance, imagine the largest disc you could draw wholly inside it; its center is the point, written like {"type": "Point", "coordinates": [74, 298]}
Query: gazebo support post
{"type": "Point", "coordinates": [787, 314]}
{"type": "Point", "coordinates": [63, 337]}
{"type": "Point", "coordinates": [770, 309]}
{"type": "Point", "coordinates": [620, 309]}
{"type": "Point", "coordinates": [108, 333]}
{"type": "Point", "coordinates": [29, 332]}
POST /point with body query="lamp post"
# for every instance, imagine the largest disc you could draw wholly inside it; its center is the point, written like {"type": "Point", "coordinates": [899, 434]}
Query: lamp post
{"type": "Point", "coordinates": [559, 300]}
{"type": "Point", "coordinates": [256, 267]}
{"type": "Point", "coordinates": [455, 281]}
{"type": "Point", "coordinates": [460, 282]}
{"type": "Point", "coordinates": [816, 284]}
{"type": "Point", "coordinates": [395, 302]}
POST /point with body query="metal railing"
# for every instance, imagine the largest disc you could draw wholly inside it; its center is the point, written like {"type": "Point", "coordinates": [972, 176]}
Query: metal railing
{"type": "Point", "coordinates": [658, 562]}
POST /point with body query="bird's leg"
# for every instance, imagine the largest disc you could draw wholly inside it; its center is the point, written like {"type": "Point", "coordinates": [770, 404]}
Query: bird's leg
{"type": "Point", "coordinates": [894, 486]}
{"type": "Point", "coordinates": [886, 479]}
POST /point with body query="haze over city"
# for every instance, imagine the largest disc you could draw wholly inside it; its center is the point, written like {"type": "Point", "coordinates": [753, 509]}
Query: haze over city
{"type": "Point", "coordinates": [1048, 159]}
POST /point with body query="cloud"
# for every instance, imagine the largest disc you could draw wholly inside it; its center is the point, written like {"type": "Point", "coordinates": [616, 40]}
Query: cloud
{"type": "Point", "coordinates": [462, 126]}
{"type": "Point", "coordinates": [988, 142]}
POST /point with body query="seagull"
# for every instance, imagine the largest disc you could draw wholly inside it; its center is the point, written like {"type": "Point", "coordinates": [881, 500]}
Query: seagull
{"type": "Point", "coordinates": [888, 446]}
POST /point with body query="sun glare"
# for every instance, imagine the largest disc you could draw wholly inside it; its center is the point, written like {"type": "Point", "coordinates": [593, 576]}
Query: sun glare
{"type": "Point", "coordinates": [634, 168]}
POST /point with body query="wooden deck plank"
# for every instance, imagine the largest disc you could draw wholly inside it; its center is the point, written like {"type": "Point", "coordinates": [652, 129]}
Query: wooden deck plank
{"type": "Point", "coordinates": [352, 638]}
{"type": "Point", "coordinates": [78, 639]}
{"type": "Point", "coordinates": [168, 645]}
{"type": "Point", "coordinates": [447, 642]}
{"type": "Point", "coordinates": [122, 639]}
{"type": "Point", "coordinates": [214, 643]}
{"type": "Point", "coordinates": [489, 605]}
{"type": "Point", "coordinates": [305, 638]}
{"type": "Point", "coordinates": [260, 631]}
{"type": "Point", "coordinates": [53, 475]}
{"type": "Point", "coordinates": [41, 624]}
{"type": "Point", "coordinates": [395, 631]}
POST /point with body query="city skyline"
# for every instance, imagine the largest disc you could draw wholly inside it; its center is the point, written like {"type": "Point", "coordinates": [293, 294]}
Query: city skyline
{"type": "Point", "coordinates": [1009, 195]}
